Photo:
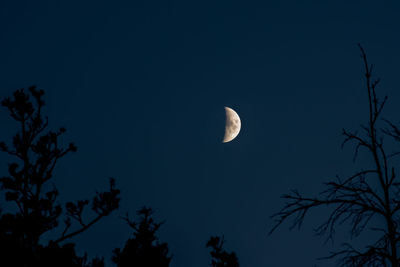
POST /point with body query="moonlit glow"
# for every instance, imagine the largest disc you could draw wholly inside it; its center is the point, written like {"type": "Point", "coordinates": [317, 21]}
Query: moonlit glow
{"type": "Point", "coordinates": [232, 125]}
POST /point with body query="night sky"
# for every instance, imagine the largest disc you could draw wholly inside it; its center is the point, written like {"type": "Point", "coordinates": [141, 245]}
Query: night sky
{"type": "Point", "coordinates": [141, 88]}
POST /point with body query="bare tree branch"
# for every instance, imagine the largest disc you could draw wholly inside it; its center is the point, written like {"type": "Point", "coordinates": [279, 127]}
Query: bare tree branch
{"type": "Point", "coordinates": [356, 199]}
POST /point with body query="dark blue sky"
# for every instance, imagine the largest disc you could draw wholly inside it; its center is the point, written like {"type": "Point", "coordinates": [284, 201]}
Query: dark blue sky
{"type": "Point", "coordinates": [141, 86]}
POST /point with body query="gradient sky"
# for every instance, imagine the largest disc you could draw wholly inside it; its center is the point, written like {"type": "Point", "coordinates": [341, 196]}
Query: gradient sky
{"type": "Point", "coordinates": [141, 86]}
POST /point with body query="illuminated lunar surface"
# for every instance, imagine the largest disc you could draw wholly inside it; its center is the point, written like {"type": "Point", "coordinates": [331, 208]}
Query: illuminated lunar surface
{"type": "Point", "coordinates": [232, 125]}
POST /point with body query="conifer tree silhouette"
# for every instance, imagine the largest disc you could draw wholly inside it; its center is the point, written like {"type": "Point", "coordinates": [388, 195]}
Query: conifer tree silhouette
{"type": "Point", "coordinates": [144, 248]}
{"type": "Point", "coordinates": [372, 192]}
{"type": "Point", "coordinates": [36, 151]}
{"type": "Point", "coordinates": [219, 256]}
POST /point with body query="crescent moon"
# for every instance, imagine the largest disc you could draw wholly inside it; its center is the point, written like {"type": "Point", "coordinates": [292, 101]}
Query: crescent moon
{"type": "Point", "coordinates": [232, 125]}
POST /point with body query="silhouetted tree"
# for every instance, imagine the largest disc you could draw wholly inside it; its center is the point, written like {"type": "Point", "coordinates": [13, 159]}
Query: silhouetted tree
{"type": "Point", "coordinates": [356, 199]}
{"type": "Point", "coordinates": [144, 249]}
{"type": "Point", "coordinates": [36, 151]}
{"type": "Point", "coordinates": [219, 256]}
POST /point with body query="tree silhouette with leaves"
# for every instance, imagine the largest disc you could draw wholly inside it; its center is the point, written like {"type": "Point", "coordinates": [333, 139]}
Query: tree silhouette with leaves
{"type": "Point", "coordinates": [144, 248]}
{"type": "Point", "coordinates": [373, 192]}
{"type": "Point", "coordinates": [36, 151]}
{"type": "Point", "coordinates": [219, 256]}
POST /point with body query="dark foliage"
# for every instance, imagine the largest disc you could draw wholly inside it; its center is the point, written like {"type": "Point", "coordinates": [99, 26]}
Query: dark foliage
{"type": "Point", "coordinates": [144, 249]}
{"type": "Point", "coordinates": [219, 256]}
{"type": "Point", "coordinates": [356, 199]}
{"type": "Point", "coordinates": [36, 151]}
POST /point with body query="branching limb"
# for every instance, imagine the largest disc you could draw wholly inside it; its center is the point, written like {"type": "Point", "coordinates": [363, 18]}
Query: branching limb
{"type": "Point", "coordinates": [102, 204]}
